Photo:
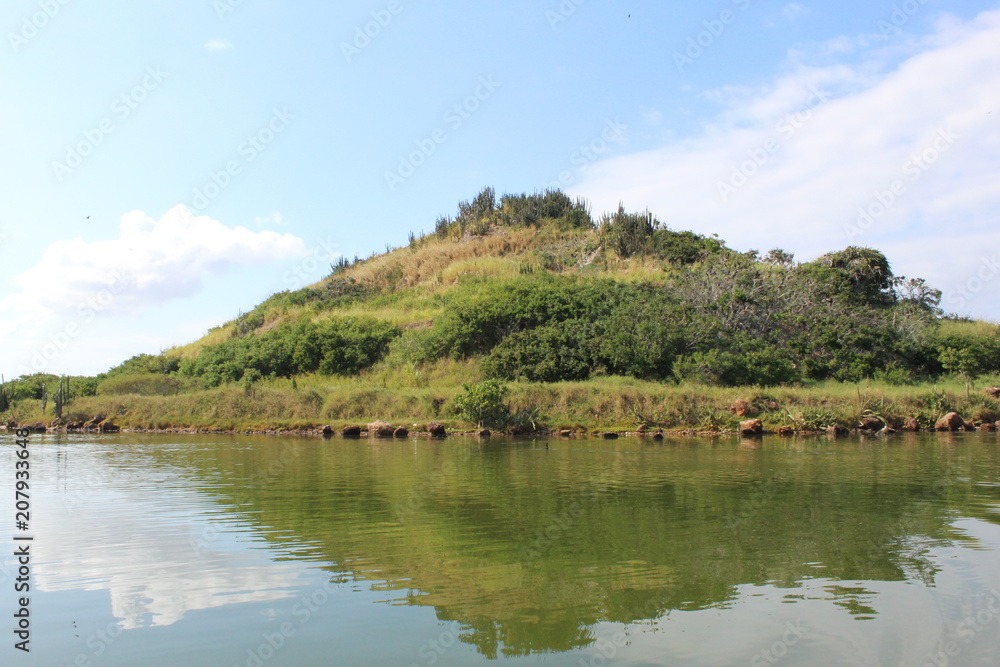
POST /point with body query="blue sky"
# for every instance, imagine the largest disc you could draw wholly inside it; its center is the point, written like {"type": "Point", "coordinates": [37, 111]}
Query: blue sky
{"type": "Point", "coordinates": [169, 165]}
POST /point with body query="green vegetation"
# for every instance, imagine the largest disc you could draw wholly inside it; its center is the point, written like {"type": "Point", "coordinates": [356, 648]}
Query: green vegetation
{"type": "Point", "coordinates": [528, 291]}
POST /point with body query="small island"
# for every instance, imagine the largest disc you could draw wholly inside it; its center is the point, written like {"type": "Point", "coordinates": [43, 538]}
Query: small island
{"type": "Point", "coordinates": [525, 314]}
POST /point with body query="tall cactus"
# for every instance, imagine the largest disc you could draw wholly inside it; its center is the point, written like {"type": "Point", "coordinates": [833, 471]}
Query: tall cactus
{"type": "Point", "coordinates": [5, 395]}
{"type": "Point", "coordinates": [60, 399]}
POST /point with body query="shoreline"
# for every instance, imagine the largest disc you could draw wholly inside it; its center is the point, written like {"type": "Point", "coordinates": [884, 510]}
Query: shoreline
{"type": "Point", "coordinates": [361, 433]}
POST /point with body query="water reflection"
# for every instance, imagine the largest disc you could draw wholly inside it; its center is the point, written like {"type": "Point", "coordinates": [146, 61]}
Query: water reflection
{"type": "Point", "coordinates": [144, 534]}
{"type": "Point", "coordinates": [529, 549]}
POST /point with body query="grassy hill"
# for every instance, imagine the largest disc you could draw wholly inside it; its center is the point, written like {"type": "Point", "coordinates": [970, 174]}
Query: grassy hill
{"type": "Point", "coordinates": [570, 322]}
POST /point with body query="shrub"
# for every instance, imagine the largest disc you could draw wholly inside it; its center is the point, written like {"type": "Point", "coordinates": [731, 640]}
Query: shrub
{"type": "Point", "coordinates": [483, 403]}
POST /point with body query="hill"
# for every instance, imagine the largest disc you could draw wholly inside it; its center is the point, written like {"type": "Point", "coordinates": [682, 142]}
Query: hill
{"type": "Point", "coordinates": [583, 323]}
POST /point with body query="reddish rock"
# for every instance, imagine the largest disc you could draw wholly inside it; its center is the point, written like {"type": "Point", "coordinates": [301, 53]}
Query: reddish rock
{"type": "Point", "coordinates": [485, 433]}
{"type": "Point", "coordinates": [436, 429]}
{"type": "Point", "coordinates": [566, 433]}
{"type": "Point", "coordinates": [751, 427]}
{"type": "Point", "coordinates": [837, 431]}
{"type": "Point", "coordinates": [950, 422]}
{"type": "Point", "coordinates": [911, 424]}
{"type": "Point", "coordinates": [351, 432]}
{"type": "Point", "coordinates": [110, 427]}
{"type": "Point", "coordinates": [993, 391]}
{"type": "Point", "coordinates": [988, 427]}
{"type": "Point", "coordinates": [380, 429]}
{"type": "Point", "coordinates": [786, 431]}
{"type": "Point", "coordinates": [741, 408]}
{"type": "Point", "coordinates": [969, 426]}
{"type": "Point", "coordinates": [658, 435]}
{"type": "Point", "coordinates": [401, 432]}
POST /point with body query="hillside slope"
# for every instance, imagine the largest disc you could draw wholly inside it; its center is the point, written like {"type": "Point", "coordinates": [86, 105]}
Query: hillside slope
{"type": "Point", "coordinates": [593, 323]}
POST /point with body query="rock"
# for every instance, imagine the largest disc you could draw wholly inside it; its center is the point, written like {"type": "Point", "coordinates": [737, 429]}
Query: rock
{"type": "Point", "coordinates": [837, 431]}
{"type": "Point", "coordinates": [642, 429]}
{"type": "Point", "coordinates": [485, 433]}
{"type": "Point", "coordinates": [110, 427]}
{"type": "Point", "coordinates": [993, 391]}
{"type": "Point", "coordinates": [741, 408]}
{"type": "Point", "coordinates": [436, 429]}
{"type": "Point", "coordinates": [871, 424]}
{"type": "Point", "coordinates": [401, 432]}
{"type": "Point", "coordinates": [888, 430]}
{"type": "Point", "coordinates": [658, 435]}
{"type": "Point", "coordinates": [74, 426]}
{"type": "Point", "coordinates": [380, 429]}
{"type": "Point", "coordinates": [351, 432]}
{"type": "Point", "coordinates": [772, 406]}
{"type": "Point", "coordinates": [969, 426]}
{"type": "Point", "coordinates": [988, 427]}
{"type": "Point", "coordinates": [39, 427]}
{"type": "Point", "coordinates": [751, 427]}
{"type": "Point", "coordinates": [610, 435]}
{"type": "Point", "coordinates": [911, 424]}
{"type": "Point", "coordinates": [786, 431]}
{"type": "Point", "coordinates": [56, 423]}
{"type": "Point", "coordinates": [327, 431]}
{"type": "Point", "coordinates": [950, 422]}
{"type": "Point", "coordinates": [565, 432]}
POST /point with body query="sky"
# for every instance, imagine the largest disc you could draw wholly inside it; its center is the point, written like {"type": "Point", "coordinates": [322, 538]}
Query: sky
{"type": "Point", "coordinates": [167, 166]}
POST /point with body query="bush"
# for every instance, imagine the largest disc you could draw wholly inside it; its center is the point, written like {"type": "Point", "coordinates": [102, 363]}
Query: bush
{"type": "Point", "coordinates": [336, 346]}
{"type": "Point", "coordinates": [483, 403]}
{"type": "Point", "coordinates": [549, 353]}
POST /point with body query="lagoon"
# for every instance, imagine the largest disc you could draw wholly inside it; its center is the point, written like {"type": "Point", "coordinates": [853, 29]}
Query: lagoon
{"type": "Point", "coordinates": [236, 550]}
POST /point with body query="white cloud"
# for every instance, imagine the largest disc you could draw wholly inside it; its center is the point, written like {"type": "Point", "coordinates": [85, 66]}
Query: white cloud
{"type": "Point", "coordinates": [823, 162]}
{"type": "Point", "coordinates": [218, 45]}
{"type": "Point", "coordinates": [151, 263]}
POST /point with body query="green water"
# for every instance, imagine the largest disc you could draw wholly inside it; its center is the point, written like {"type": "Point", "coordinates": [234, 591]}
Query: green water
{"type": "Point", "coordinates": [222, 551]}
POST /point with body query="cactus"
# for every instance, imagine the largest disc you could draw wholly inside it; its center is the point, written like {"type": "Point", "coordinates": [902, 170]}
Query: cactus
{"type": "Point", "coordinates": [60, 399]}
{"type": "Point", "coordinates": [5, 395]}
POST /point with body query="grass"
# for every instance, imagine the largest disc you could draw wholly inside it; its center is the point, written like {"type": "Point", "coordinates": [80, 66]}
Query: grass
{"type": "Point", "coordinates": [426, 393]}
